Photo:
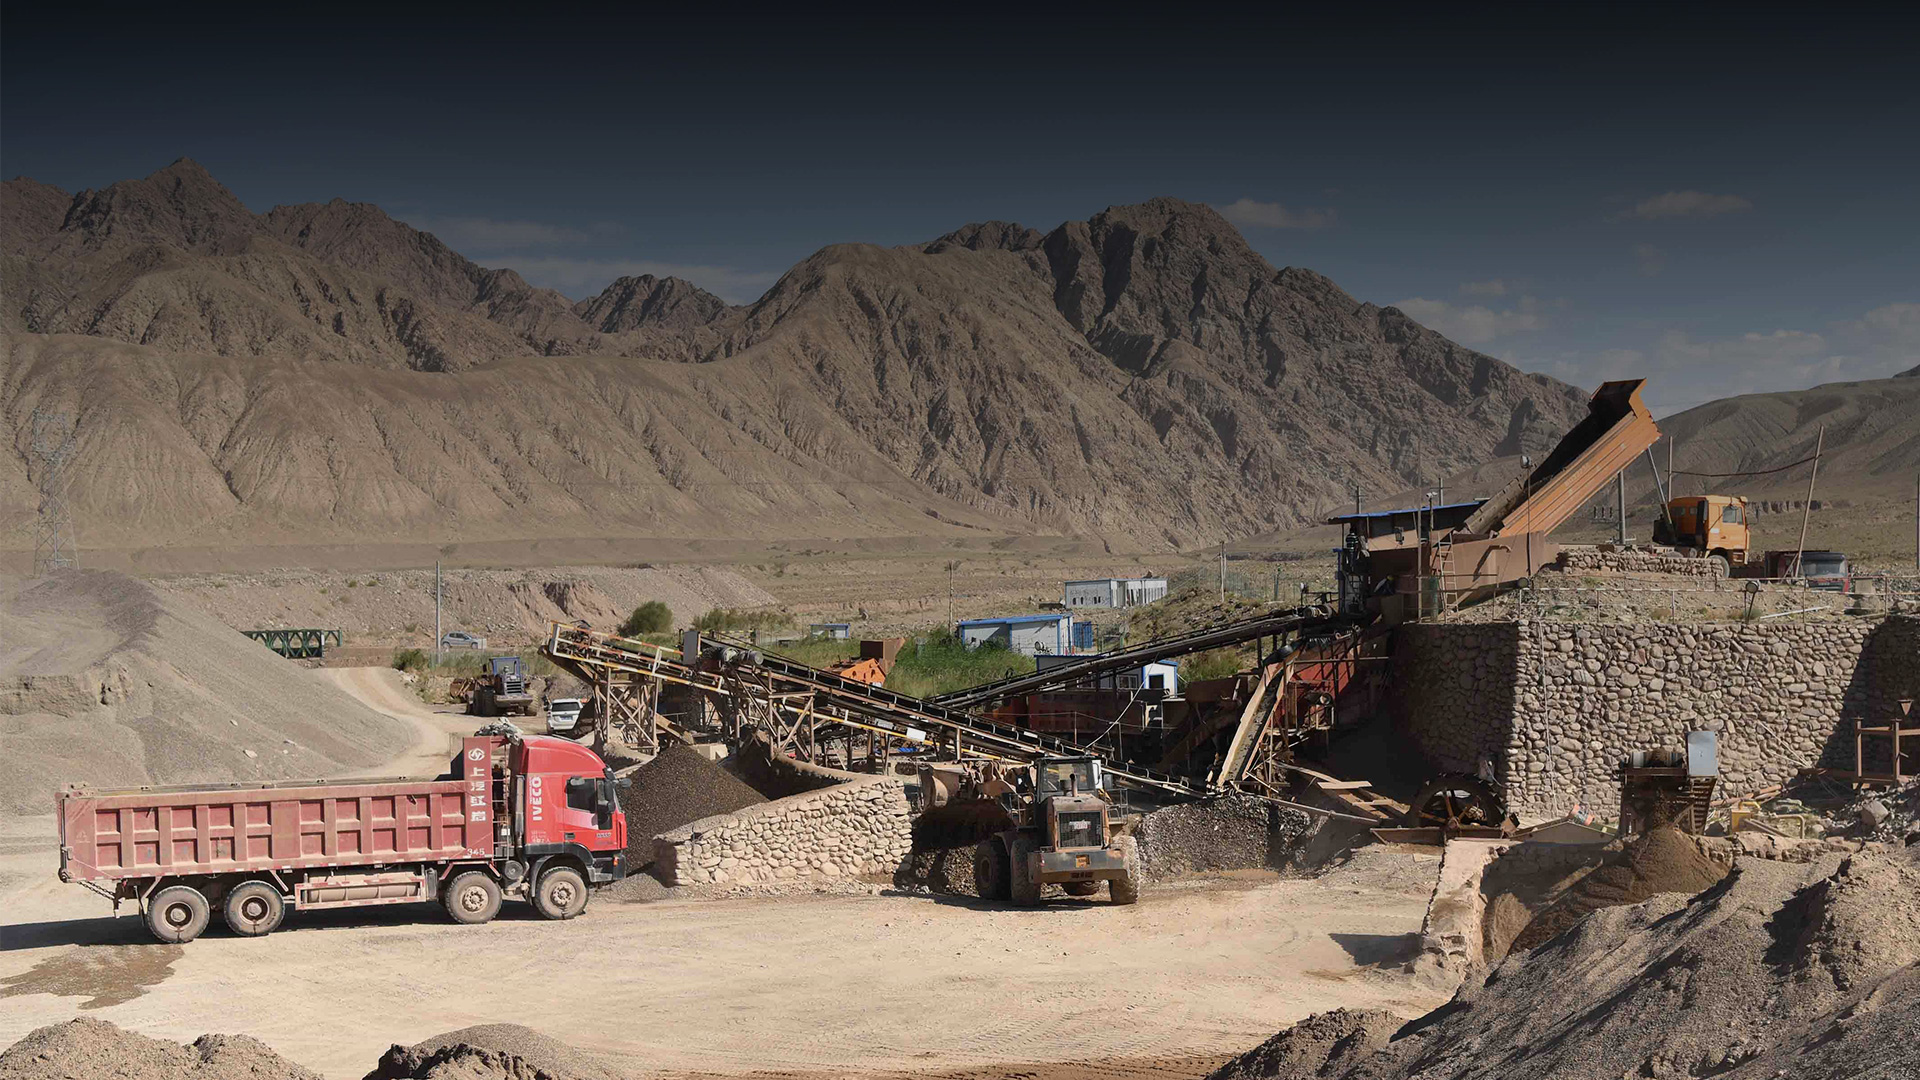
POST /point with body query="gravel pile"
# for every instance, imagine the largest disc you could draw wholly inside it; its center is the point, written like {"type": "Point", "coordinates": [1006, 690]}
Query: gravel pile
{"type": "Point", "coordinates": [492, 1052]}
{"type": "Point", "coordinates": [87, 1049]}
{"type": "Point", "coordinates": [673, 789]}
{"type": "Point", "coordinates": [1802, 970]}
{"type": "Point", "coordinates": [1231, 832]}
{"type": "Point", "coordinates": [947, 871]}
{"type": "Point", "coordinates": [1665, 860]}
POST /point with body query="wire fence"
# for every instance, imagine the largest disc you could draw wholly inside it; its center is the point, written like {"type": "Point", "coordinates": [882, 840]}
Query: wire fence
{"type": "Point", "coordinates": [1265, 580]}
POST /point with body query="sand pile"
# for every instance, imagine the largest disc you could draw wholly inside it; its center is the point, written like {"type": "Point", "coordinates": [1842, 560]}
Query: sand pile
{"type": "Point", "coordinates": [1231, 832]}
{"type": "Point", "coordinates": [673, 789]}
{"type": "Point", "coordinates": [106, 681]}
{"type": "Point", "coordinates": [1810, 971]}
{"type": "Point", "coordinates": [492, 1052]}
{"type": "Point", "coordinates": [1665, 860]}
{"type": "Point", "coordinates": [96, 1050]}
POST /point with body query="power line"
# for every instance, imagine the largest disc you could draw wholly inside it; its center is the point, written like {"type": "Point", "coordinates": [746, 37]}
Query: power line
{"type": "Point", "coordinates": [1729, 475]}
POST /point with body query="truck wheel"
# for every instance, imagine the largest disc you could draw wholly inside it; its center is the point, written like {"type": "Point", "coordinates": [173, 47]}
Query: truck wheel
{"type": "Point", "coordinates": [990, 870]}
{"type": "Point", "coordinates": [1719, 565]}
{"type": "Point", "coordinates": [1022, 884]}
{"type": "Point", "coordinates": [472, 897]}
{"type": "Point", "coordinates": [1081, 888]}
{"type": "Point", "coordinates": [177, 914]}
{"type": "Point", "coordinates": [561, 893]}
{"type": "Point", "coordinates": [254, 909]}
{"type": "Point", "coordinates": [1125, 889]}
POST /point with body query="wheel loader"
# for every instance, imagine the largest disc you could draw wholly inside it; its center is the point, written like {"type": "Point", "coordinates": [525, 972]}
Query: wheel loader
{"type": "Point", "coordinates": [1042, 825]}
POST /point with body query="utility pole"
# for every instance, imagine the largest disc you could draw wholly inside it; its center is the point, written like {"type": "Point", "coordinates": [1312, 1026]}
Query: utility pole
{"type": "Point", "coordinates": [54, 546]}
{"type": "Point", "coordinates": [1223, 573]}
{"type": "Point", "coordinates": [1356, 501]}
{"type": "Point", "coordinates": [437, 638]}
{"type": "Point", "coordinates": [1620, 534]}
{"type": "Point", "coordinates": [1916, 522]}
{"type": "Point", "coordinates": [1806, 511]}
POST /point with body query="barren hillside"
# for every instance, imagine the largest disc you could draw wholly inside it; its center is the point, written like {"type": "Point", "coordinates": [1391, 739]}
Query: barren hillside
{"type": "Point", "coordinates": [1144, 377]}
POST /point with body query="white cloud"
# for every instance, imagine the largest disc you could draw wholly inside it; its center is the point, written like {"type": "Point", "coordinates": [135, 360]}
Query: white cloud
{"type": "Point", "coordinates": [584, 277]}
{"type": "Point", "coordinates": [1685, 370]}
{"type": "Point", "coordinates": [1475, 324]}
{"type": "Point", "coordinates": [1651, 259]}
{"type": "Point", "coordinates": [1494, 287]}
{"type": "Point", "coordinates": [1265, 215]}
{"type": "Point", "coordinates": [1675, 204]}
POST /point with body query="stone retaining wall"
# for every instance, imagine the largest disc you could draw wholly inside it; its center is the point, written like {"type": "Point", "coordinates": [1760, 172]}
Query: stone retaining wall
{"type": "Point", "coordinates": [1579, 560]}
{"type": "Point", "coordinates": [860, 827]}
{"type": "Point", "coordinates": [1555, 706]}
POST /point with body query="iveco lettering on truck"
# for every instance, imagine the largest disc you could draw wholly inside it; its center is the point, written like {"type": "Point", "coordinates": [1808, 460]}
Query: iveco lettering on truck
{"type": "Point", "coordinates": [469, 839]}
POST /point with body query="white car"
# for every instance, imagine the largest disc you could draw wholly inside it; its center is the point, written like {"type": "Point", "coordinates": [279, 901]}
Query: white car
{"type": "Point", "coordinates": [563, 716]}
{"type": "Point", "coordinates": [460, 639]}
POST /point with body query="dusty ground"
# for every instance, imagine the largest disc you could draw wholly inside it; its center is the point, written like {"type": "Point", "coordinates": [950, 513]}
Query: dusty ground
{"type": "Point", "coordinates": [876, 984]}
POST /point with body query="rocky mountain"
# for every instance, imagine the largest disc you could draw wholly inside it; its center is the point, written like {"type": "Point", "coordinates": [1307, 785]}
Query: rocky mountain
{"type": "Point", "coordinates": [1143, 376]}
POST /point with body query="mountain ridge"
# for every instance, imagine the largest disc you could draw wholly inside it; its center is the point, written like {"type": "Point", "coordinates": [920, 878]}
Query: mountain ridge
{"type": "Point", "coordinates": [1142, 375]}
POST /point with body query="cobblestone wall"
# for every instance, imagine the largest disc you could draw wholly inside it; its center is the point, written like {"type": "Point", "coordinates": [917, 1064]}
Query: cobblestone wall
{"type": "Point", "coordinates": [860, 827]}
{"type": "Point", "coordinates": [1573, 699]}
{"type": "Point", "coordinates": [1577, 560]}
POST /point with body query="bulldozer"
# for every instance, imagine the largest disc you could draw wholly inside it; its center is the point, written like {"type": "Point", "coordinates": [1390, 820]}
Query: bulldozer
{"type": "Point", "coordinates": [501, 689]}
{"type": "Point", "coordinates": [1050, 823]}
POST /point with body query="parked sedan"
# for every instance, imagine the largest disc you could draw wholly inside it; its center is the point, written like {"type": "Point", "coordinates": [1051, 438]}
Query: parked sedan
{"type": "Point", "coordinates": [460, 639]}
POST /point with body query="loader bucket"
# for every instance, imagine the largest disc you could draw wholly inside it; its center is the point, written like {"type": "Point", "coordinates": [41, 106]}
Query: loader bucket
{"type": "Point", "coordinates": [960, 824]}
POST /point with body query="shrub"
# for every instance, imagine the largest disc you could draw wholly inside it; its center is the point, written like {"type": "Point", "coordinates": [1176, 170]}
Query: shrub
{"type": "Point", "coordinates": [736, 620]}
{"type": "Point", "coordinates": [410, 659]}
{"type": "Point", "coordinates": [652, 617]}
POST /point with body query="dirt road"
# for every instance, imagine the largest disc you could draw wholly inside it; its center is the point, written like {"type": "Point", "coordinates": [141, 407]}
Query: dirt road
{"type": "Point", "coordinates": [385, 691]}
{"type": "Point", "coordinates": [870, 983]}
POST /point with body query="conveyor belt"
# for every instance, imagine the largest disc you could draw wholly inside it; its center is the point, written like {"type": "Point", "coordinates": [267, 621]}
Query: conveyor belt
{"type": "Point", "coordinates": [1312, 617]}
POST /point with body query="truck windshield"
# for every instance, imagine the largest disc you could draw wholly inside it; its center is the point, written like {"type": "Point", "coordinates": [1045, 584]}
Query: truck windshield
{"type": "Point", "coordinates": [1058, 777]}
{"type": "Point", "coordinates": [1823, 564]}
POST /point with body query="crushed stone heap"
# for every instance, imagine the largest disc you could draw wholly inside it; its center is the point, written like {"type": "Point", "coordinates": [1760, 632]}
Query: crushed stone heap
{"type": "Point", "coordinates": [88, 1049]}
{"type": "Point", "coordinates": [677, 787]}
{"type": "Point", "coordinates": [1802, 970]}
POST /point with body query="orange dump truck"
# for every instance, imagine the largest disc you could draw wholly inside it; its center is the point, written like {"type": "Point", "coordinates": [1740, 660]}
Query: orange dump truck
{"type": "Point", "coordinates": [531, 817]}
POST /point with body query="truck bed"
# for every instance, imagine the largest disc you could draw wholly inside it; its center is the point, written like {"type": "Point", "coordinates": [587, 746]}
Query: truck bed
{"type": "Point", "coordinates": [166, 832]}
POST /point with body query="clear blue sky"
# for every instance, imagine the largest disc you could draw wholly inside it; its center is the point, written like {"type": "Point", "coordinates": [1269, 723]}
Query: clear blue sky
{"type": "Point", "coordinates": [1701, 195]}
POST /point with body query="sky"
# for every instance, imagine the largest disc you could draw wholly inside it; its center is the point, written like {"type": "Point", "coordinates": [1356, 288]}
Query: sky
{"type": "Point", "coordinates": [1717, 198]}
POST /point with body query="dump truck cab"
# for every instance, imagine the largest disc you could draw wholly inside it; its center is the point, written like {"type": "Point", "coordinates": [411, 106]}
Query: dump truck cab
{"type": "Point", "coordinates": [1066, 834]}
{"type": "Point", "coordinates": [1709, 526]}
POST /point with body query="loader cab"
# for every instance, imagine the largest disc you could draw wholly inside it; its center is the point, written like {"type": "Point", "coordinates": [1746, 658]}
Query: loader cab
{"type": "Point", "coordinates": [1070, 805]}
{"type": "Point", "coordinates": [1068, 776]}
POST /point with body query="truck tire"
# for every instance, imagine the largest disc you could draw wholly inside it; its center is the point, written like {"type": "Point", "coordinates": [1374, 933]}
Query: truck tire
{"type": "Point", "coordinates": [990, 870]}
{"type": "Point", "coordinates": [254, 909]}
{"type": "Point", "coordinates": [1025, 888]}
{"type": "Point", "coordinates": [561, 893]}
{"type": "Point", "coordinates": [472, 897]}
{"type": "Point", "coordinates": [1719, 565]}
{"type": "Point", "coordinates": [177, 914]}
{"type": "Point", "coordinates": [1125, 889]}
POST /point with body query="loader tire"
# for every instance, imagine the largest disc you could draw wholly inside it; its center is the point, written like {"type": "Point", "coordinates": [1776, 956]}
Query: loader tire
{"type": "Point", "coordinates": [1023, 887]}
{"type": "Point", "coordinates": [1081, 888]}
{"type": "Point", "coordinates": [254, 909]}
{"type": "Point", "coordinates": [177, 914]}
{"type": "Point", "coordinates": [990, 871]}
{"type": "Point", "coordinates": [472, 898]}
{"type": "Point", "coordinates": [561, 893]}
{"type": "Point", "coordinates": [1126, 888]}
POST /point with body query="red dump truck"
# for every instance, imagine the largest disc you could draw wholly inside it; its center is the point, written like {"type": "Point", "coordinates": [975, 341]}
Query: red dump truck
{"type": "Point", "coordinates": [531, 817]}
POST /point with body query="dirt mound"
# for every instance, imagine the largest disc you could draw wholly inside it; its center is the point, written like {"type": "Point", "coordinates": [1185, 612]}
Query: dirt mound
{"type": "Point", "coordinates": [1316, 1045]}
{"type": "Point", "coordinates": [86, 1049]}
{"type": "Point", "coordinates": [491, 1052]}
{"type": "Point", "coordinates": [1665, 860]}
{"type": "Point", "coordinates": [1780, 969]}
{"type": "Point", "coordinates": [106, 681]}
{"type": "Point", "coordinates": [1231, 832]}
{"type": "Point", "coordinates": [673, 789]}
